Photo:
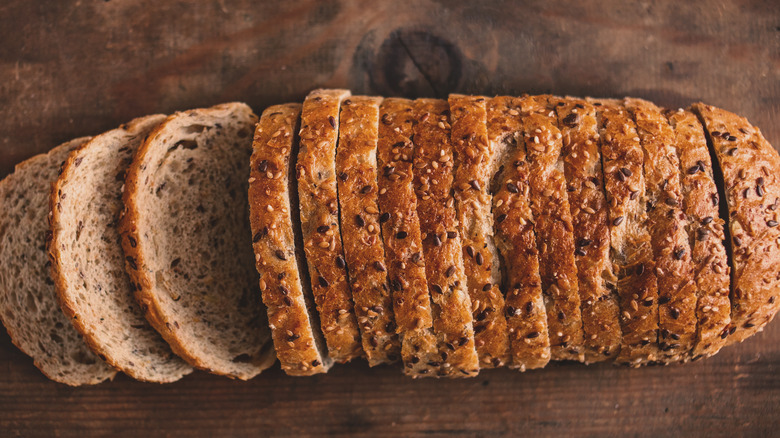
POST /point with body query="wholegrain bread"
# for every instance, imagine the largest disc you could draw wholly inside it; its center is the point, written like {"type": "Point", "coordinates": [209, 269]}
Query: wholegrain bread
{"type": "Point", "coordinates": [284, 282]}
{"type": "Point", "coordinates": [185, 235]}
{"type": "Point", "coordinates": [404, 256]}
{"type": "Point", "coordinates": [526, 316]}
{"type": "Point", "coordinates": [87, 259]}
{"type": "Point", "coordinates": [553, 226]}
{"type": "Point", "coordinates": [749, 171]}
{"type": "Point", "coordinates": [29, 307]}
{"type": "Point", "coordinates": [632, 252]}
{"type": "Point", "coordinates": [668, 230]}
{"type": "Point", "coordinates": [356, 165]}
{"type": "Point", "coordinates": [705, 234]}
{"type": "Point", "coordinates": [317, 190]}
{"type": "Point", "coordinates": [474, 167]}
{"type": "Point", "coordinates": [585, 187]}
{"type": "Point", "coordinates": [442, 247]}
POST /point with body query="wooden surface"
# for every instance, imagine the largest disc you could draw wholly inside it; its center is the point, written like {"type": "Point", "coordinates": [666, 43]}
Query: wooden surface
{"type": "Point", "coordinates": [72, 68]}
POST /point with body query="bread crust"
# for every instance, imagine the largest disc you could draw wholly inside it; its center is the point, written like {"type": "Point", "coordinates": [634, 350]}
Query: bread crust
{"type": "Point", "coordinates": [587, 200]}
{"type": "Point", "coordinates": [154, 361]}
{"type": "Point", "coordinates": [404, 256]}
{"type": "Point", "coordinates": [356, 172]}
{"type": "Point", "coordinates": [317, 190]}
{"type": "Point", "coordinates": [671, 248]}
{"type": "Point", "coordinates": [474, 170]}
{"type": "Point", "coordinates": [442, 247]}
{"type": "Point", "coordinates": [292, 318]}
{"type": "Point", "coordinates": [553, 225]}
{"type": "Point", "coordinates": [632, 253]}
{"type": "Point", "coordinates": [748, 164]}
{"type": "Point", "coordinates": [526, 316]}
{"type": "Point", "coordinates": [705, 233]}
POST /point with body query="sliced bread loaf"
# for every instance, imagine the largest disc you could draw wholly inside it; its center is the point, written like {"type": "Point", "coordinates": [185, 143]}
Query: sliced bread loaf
{"type": "Point", "coordinates": [529, 339]}
{"type": "Point", "coordinates": [748, 175]}
{"type": "Point", "coordinates": [671, 249]}
{"type": "Point", "coordinates": [632, 251]}
{"type": "Point", "coordinates": [553, 226]}
{"type": "Point", "coordinates": [705, 233]}
{"type": "Point", "coordinates": [28, 301]}
{"type": "Point", "coordinates": [185, 234]}
{"type": "Point", "coordinates": [364, 249]}
{"type": "Point", "coordinates": [284, 280]}
{"type": "Point", "coordinates": [318, 197]}
{"type": "Point", "coordinates": [87, 260]}
{"type": "Point", "coordinates": [475, 159]}
{"type": "Point", "coordinates": [403, 245]}
{"type": "Point", "coordinates": [585, 187]}
{"type": "Point", "coordinates": [433, 176]}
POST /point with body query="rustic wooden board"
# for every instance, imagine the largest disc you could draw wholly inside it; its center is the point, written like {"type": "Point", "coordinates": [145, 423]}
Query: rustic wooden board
{"type": "Point", "coordinates": [72, 68]}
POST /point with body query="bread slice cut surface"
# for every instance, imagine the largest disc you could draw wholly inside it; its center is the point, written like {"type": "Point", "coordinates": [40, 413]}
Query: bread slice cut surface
{"type": "Point", "coordinates": [187, 240]}
{"type": "Point", "coordinates": [88, 265]}
{"type": "Point", "coordinates": [29, 307]}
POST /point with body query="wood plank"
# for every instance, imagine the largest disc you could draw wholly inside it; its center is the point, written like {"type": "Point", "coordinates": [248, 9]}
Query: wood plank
{"type": "Point", "coordinates": [74, 68]}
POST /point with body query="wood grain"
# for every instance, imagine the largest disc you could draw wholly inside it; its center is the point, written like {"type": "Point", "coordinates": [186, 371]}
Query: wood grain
{"type": "Point", "coordinates": [73, 68]}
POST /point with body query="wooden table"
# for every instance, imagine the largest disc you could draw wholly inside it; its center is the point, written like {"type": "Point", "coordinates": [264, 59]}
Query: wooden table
{"type": "Point", "coordinates": [72, 68]}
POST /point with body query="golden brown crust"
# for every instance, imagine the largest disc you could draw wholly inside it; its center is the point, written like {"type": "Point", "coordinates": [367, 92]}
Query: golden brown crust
{"type": "Point", "coordinates": [671, 249]}
{"type": "Point", "coordinates": [553, 225]}
{"type": "Point", "coordinates": [433, 175]}
{"type": "Point", "coordinates": [474, 159]}
{"type": "Point", "coordinates": [274, 243]}
{"type": "Point", "coordinates": [705, 232]}
{"type": "Point", "coordinates": [515, 238]}
{"type": "Point", "coordinates": [363, 247]}
{"type": "Point", "coordinates": [752, 188]}
{"type": "Point", "coordinates": [632, 254]}
{"type": "Point", "coordinates": [317, 192]}
{"type": "Point", "coordinates": [403, 244]}
{"type": "Point", "coordinates": [585, 187]}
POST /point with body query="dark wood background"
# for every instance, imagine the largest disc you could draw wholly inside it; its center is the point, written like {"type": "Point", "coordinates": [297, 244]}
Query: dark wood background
{"type": "Point", "coordinates": [73, 68]}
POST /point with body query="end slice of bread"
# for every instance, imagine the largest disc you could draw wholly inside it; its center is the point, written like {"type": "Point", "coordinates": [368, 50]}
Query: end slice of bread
{"type": "Point", "coordinates": [28, 301]}
{"type": "Point", "coordinates": [185, 234]}
{"type": "Point", "coordinates": [87, 259]}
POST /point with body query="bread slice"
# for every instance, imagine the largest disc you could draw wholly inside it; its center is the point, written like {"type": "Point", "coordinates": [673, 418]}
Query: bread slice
{"type": "Point", "coordinates": [284, 281]}
{"type": "Point", "coordinates": [442, 247]}
{"type": "Point", "coordinates": [585, 189]}
{"type": "Point", "coordinates": [632, 252]}
{"type": "Point", "coordinates": [362, 235]}
{"type": "Point", "coordinates": [87, 260]}
{"type": "Point", "coordinates": [28, 301]}
{"type": "Point", "coordinates": [317, 190]}
{"type": "Point", "coordinates": [748, 170]}
{"type": "Point", "coordinates": [705, 233]}
{"type": "Point", "coordinates": [671, 249]}
{"type": "Point", "coordinates": [475, 162]}
{"type": "Point", "coordinates": [529, 340]}
{"type": "Point", "coordinates": [553, 226]}
{"type": "Point", "coordinates": [404, 256]}
{"type": "Point", "coordinates": [185, 233]}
